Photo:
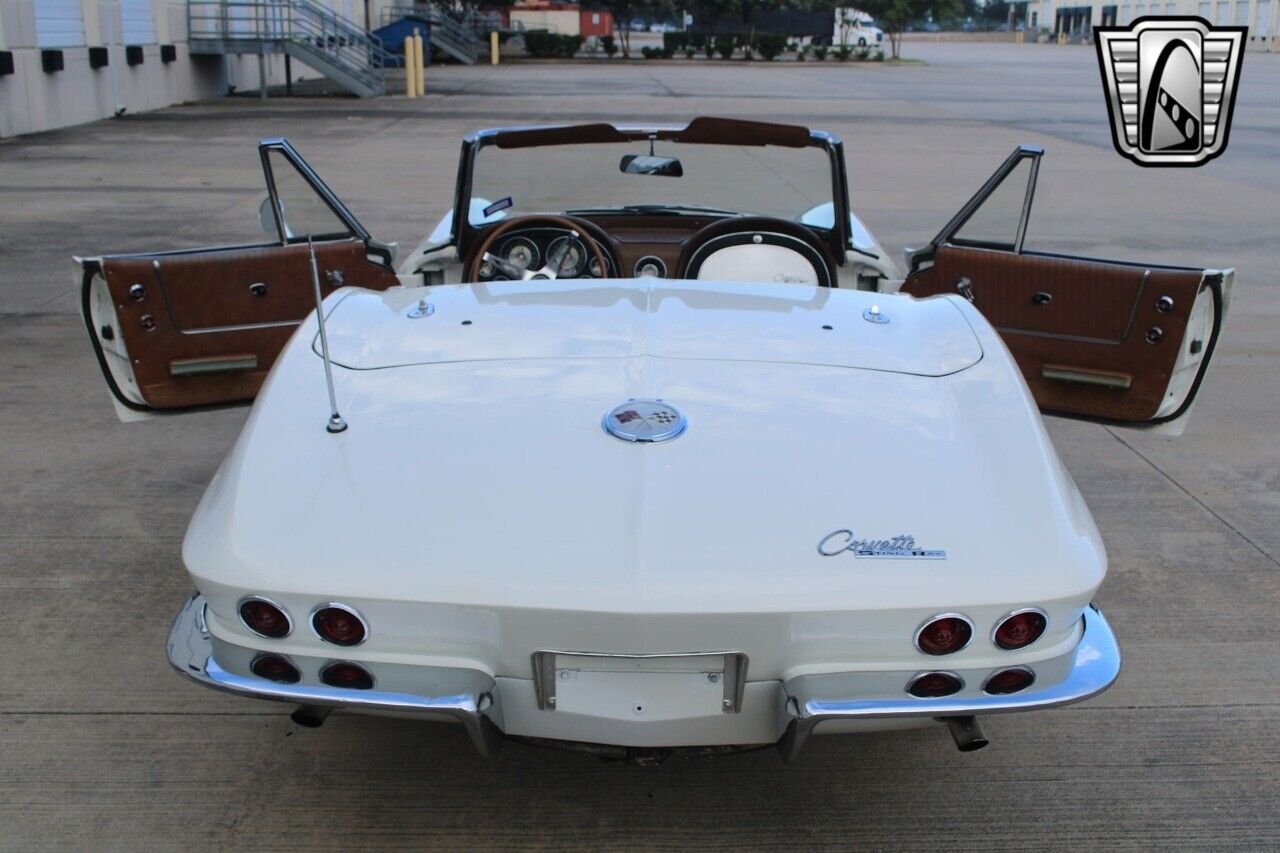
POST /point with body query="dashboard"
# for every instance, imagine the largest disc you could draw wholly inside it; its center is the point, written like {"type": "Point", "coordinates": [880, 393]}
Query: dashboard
{"type": "Point", "coordinates": [660, 246]}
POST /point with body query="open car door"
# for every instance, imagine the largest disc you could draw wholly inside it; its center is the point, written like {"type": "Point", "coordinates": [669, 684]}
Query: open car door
{"type": "Point", "coordinates": [1112, 341]}
{"type": "Point", "coordinates": [176, 331]}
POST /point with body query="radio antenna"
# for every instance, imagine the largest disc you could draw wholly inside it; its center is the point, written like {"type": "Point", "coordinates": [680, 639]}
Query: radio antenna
{"type": "Point", "coordinates": [336, 422]}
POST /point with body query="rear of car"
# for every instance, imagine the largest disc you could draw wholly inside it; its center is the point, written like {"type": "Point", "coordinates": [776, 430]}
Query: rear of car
{"type": "Point", "coordinates": [862, 525]}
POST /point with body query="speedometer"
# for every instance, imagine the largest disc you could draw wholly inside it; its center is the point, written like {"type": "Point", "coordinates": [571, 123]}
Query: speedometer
{"type": "Point", "coordinates": [520, 252]}
{"type": "Point", "coordinates": [567, 256]}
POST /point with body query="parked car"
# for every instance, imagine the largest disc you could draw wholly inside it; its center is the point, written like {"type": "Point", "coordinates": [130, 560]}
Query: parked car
{"type": "Point", "coordinates": [648, 445]}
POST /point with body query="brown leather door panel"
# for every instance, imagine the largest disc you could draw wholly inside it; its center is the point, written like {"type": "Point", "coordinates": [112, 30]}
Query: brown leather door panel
{"type": "Point", "coordinates": [1097, 339]}
{"type": "Point", "coordinates": [203, 328]}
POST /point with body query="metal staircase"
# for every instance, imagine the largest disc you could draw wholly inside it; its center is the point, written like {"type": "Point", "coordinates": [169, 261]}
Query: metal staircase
{"type": "Point", "coordinates": [303, 29]}
{"type": "Point", "coordinates": [459, 36]}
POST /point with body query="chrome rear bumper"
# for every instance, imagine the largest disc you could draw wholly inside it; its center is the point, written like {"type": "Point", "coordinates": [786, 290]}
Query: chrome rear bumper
{"type": "Point", "coordinates": [804, 703]}
{"type": "Point", "coordinates": [1087, 670]}
{"type": "Point", "coordinates": [467, 695]}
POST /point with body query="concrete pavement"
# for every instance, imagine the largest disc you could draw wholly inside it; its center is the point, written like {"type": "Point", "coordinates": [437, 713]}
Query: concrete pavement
{"type": "Point", "coordinates": [100, 745]}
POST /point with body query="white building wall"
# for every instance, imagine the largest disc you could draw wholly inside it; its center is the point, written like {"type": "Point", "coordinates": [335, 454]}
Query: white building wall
{"type": "Point", "coordinates": [32, 100]}
{"type": "Point", "coordinates": [1258, 15]}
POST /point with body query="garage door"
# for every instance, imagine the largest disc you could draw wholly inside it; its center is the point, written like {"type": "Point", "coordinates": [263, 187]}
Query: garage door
{"type": "Point", "coordinates": [138, 22]}
{"type": "Point", "coordinates": [58, 23]}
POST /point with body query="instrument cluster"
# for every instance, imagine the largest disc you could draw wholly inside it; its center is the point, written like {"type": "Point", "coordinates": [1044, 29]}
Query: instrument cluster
{"type": "Point", "coordinates": [546, 252]}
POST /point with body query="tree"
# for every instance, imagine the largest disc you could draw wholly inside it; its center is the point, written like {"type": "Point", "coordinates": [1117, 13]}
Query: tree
{"type": "Point", "coordinates": [894, 15]}
{"type": "Point", "coordinates": [625, 11]}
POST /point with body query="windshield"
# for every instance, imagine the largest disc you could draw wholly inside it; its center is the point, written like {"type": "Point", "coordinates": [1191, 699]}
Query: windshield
{"type": "Point", "coordinates": [764, 180]}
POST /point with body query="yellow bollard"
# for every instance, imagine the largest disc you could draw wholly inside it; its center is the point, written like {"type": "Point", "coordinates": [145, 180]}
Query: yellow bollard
{"type": "Point", "coordinates": [420, 57]}
{"type": "Point", "coordinates": [493, 47]}
{"type": "Point", "coordinates": [410, 70]}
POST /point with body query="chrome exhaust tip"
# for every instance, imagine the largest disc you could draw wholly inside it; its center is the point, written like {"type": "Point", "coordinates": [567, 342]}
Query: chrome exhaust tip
{"type": "Point", "coordinates": [310, 716]}
{"type": "Point", "coordinates": [966, 732]}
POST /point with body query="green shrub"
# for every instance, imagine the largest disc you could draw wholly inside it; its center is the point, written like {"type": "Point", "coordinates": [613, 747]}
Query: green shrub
{"type": "Point", "coordinates": [650, 52]}
{"type": "Point", "coordinates": [862, 54]}
{"type": "Point", "coordinates": [844, 53]}
{"type": "Point", "coordinates": [878, 56]}
{"type": "Point", "coordinates": [541, 44]}
{"type": "Point", "coordinates": [724, 45]}
{"type": "Point", "coordinates": [819, 52]}
{"type": "Point", "coordinates": [672, 42]}
{"type": "Point", "coordinates": [770, 45]}
{"type": "Point", "coordinates": [801, 52]}
{"type": "Point", "coordinates": [610, 46]}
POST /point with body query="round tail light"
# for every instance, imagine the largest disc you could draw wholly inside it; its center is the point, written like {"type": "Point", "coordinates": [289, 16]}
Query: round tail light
{"type": "Point", "coordinates": [346, 674]}
{"type": "Point", "coordinates": [1020, 629]}
{"type": "Point", "coordinates": [1011, 680]}
{"type": "Point", "coordinates": [931, 685]}
{"type": "Point", "coordinates": [944, 634]}
{"type": "Point", "coordinates": [337, 624]}
{"type": "Point", "coordinates": [275, 668]}
{"type": "Point", "coordinates": [265, 618]}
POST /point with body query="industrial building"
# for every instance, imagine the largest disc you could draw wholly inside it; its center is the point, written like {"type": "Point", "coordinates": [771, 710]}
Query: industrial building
{"type": "Point", "coordinates": [1076, 19]}
{"type": "Point", "coordinates": [64, 62]}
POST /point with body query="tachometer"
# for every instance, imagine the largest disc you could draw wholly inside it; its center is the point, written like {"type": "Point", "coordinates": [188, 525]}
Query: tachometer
{"type": "Point", "coordinates": [520, 252]}
{"type": "Point", "coordinates": [567, 256]}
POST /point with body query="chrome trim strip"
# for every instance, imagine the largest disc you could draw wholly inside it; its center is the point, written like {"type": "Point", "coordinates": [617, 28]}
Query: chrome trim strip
{"type": "Point", "coordinates": [915, 638]}
{"type": "Point", "coordinates": [1094, 666]}
{"type": "Point", "coordinates": [190, 650]}
{"type": "Point", "coordinates": [1086, 377]}
{"type": "Point", "coordinates": [202, 366]}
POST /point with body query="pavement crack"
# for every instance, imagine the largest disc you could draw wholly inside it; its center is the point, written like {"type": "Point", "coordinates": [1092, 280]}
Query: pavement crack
{"type": "Point", "coordinates": [1237, 531]}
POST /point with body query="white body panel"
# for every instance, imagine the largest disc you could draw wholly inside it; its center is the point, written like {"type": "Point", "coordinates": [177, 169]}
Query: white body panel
{"type": "Point", "coordinates": [475, 512]}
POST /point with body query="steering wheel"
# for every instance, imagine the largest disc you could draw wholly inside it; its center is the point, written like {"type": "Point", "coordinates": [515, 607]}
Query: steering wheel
{"type": "Point", "coordinates": [553, 265]}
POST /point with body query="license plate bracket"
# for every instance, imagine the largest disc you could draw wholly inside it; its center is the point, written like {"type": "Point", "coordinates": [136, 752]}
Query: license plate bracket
{"type": "Point", "coordinates": [605, 669]}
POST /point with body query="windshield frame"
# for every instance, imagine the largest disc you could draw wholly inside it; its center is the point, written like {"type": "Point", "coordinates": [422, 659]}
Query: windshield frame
{"type": "Point", "coordinates": [702, 130]}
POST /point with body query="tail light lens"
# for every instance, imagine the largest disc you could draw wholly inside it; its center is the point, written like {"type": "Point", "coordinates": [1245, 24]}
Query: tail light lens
{"type": "Point", "coordinates": [1020, 629]}
{"type": "Point", "coordinates": [265, 618]}
{"type": "Point", "coordinates": [931, 685]}
{"type": "Point", "coordinates": [340, 625]}
{"type": "Point", "coordinates": [944, 634]}
{"type": "Point", "coordinates": [1011, 680]}
{"type": "Point", "coordinates": [275, 668]}
{"type": "Point", "coordinates": [346, 674]}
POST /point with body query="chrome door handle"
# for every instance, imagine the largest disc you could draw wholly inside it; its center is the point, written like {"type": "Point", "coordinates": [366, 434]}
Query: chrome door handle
{"type": "Point", "coordinates": [965, 286]}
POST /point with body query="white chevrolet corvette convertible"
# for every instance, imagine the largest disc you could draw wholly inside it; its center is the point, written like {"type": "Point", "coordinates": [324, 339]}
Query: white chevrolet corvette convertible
{"type": "Point", "coordinates": [648, 445]}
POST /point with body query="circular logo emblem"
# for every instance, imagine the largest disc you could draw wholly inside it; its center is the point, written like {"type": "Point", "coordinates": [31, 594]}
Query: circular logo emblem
{"type": "Point", "coordinates": [645, 421]}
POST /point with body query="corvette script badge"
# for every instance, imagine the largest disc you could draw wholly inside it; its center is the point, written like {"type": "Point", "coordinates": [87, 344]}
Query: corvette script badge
{"type": "Point", "coordinates": [1171, 87]}
{"type": "Point", "coordinates": [900, 547]}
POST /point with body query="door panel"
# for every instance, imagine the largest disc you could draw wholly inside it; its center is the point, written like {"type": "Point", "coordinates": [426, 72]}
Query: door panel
{"type": "Point", "coordinates": [202, 328]}
{"type": "Point", "coordinates": [1119, 342]}
{"type": "Point", "coordinates": [183, 330]}
{"type": "Point", "coordinates": [1085, 349]}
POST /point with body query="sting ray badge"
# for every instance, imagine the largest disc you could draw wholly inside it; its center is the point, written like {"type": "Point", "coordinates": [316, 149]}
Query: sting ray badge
{"type": "Point", "coordinates": [1171, 88]}
{"type": "Point", "coordinates": [900, 547]}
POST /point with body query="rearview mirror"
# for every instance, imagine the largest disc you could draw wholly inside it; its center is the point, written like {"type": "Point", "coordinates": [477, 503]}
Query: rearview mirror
{"type": "Point", "coordinates": [649, 164]}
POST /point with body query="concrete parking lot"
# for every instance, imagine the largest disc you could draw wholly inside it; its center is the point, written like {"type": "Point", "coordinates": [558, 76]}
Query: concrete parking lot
{"type": "Point", "coordinates": [101, 746]}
